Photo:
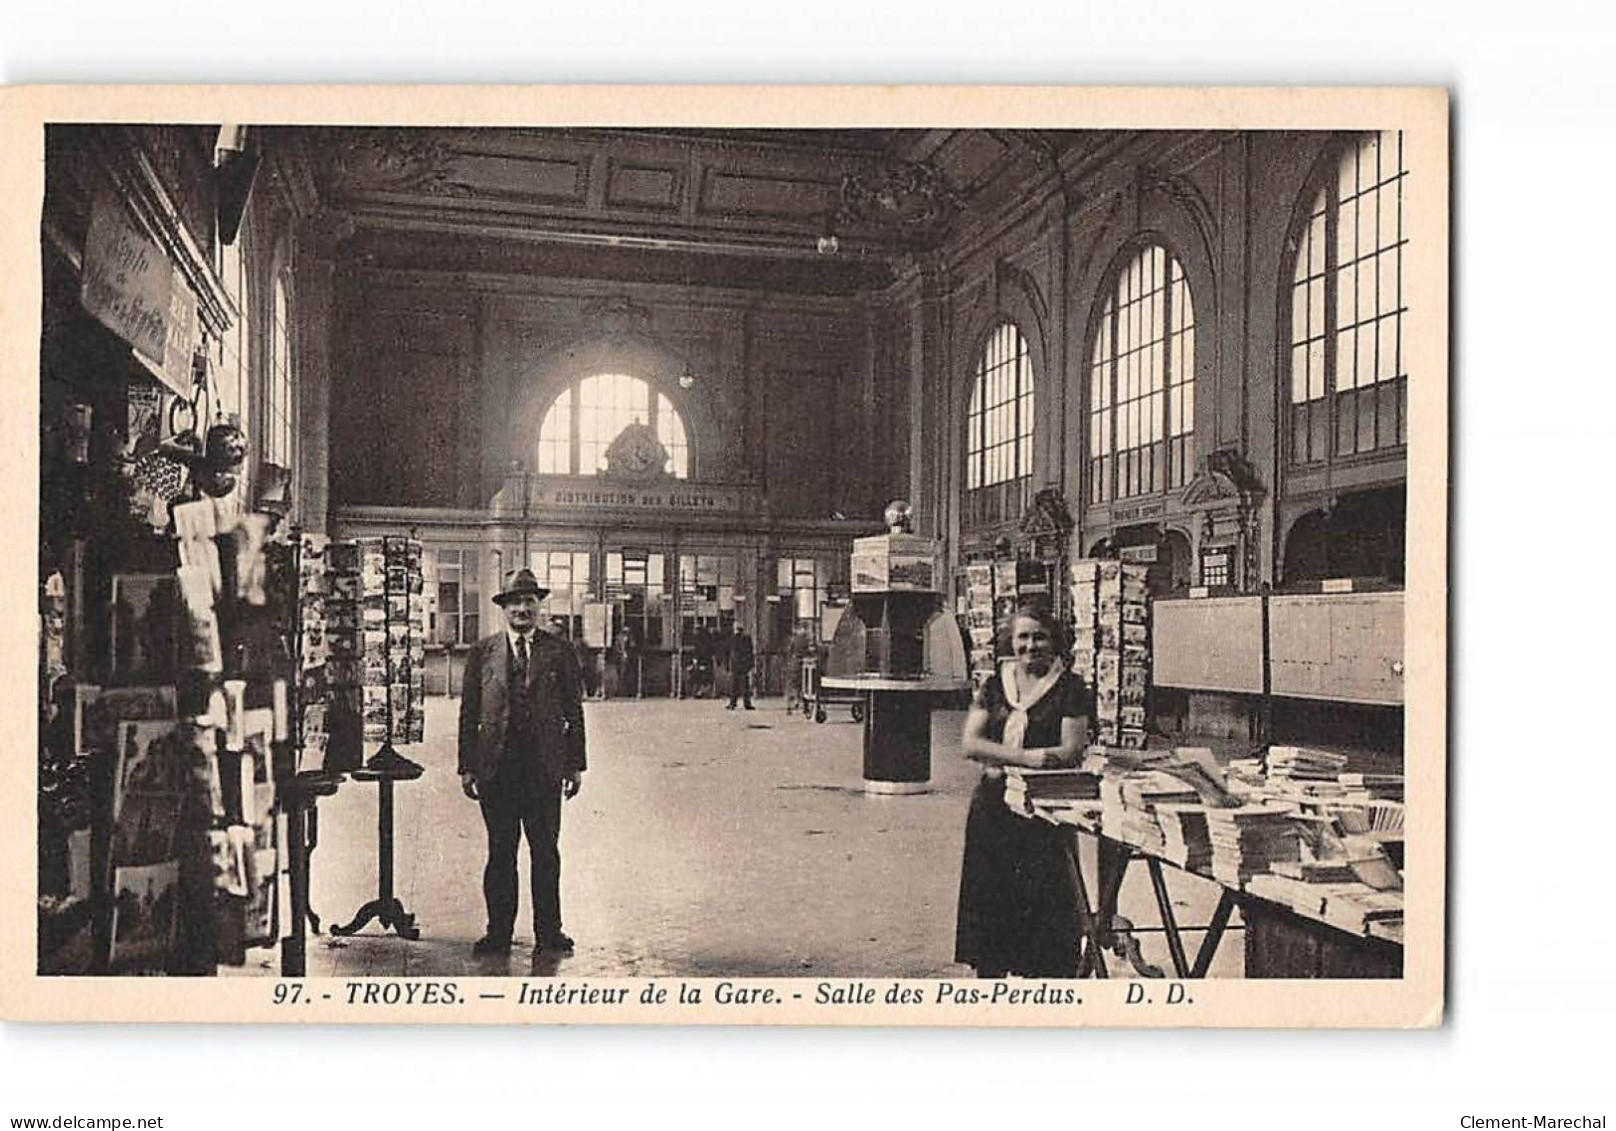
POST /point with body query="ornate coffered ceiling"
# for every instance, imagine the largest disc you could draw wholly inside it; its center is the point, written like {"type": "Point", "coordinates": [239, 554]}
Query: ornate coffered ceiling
{"type": "Point", "coordinates": [748, 207]}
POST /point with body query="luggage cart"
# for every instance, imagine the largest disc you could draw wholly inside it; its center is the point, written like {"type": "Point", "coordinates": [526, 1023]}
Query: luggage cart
{"type": "Point", "coordinates": [815, 697]}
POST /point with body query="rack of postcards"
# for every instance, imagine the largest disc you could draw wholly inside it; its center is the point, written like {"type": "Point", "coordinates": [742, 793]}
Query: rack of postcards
{"type": "Point", "coordinates": [979, 622]}
{"type": "Point", "coordinates": [164, 769]}
{"type": "Point", "coordinates": [311, 651]}
{"type": "Point", "coordinates": [375, 632]}
{"type": "Point", "coordinates": [1111, 645]}
{"type": "Point", "coordinates": [994, 590]}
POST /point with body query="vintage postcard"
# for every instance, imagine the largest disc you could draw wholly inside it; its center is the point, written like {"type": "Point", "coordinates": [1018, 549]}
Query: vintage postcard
{"type": "Point", "coordinates": [815, 556]}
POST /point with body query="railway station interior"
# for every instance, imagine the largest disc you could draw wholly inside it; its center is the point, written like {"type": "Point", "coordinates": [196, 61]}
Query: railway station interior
{"type": "Point", "coordinates": [1152, 385]}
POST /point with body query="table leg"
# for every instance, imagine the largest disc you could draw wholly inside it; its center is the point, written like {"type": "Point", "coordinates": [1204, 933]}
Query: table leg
{"type": "Point", "coordinates": [294, 957]}
{"type": "Point", "coordinates": [1214, 934]}
{"type": "Point", "coordinates": [1175, 943]}
{"type": "Point", "coordinates": [1091, 956]}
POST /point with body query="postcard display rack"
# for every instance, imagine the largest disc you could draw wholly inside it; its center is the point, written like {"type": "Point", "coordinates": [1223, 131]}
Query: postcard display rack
{"type": "Point", "coordinates": [375, 633]}
{"type": "Point", "coordinates": [994, 590]}
{"type": "Point", "coordinates": [1111, 646]}
{"type": "Point", "coordinates": [174, 759]}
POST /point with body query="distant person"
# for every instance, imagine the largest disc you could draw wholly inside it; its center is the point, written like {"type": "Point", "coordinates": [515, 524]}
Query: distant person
{"type": "Point", "coordinates": [1017, 908]}
{"type": "Point", "coordinates": [741, 659]}
{"type": "Point", "coordinates": [585, 658]}
{"type": "Point", "coordinates": [701, 683]}
{"type": "Point", "coordinates": [521, 752]}
{"type": "Point", "coordinates": [797, 647]}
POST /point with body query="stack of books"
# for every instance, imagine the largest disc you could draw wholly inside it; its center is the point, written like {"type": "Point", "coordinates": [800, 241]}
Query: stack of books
{"type": "Point", "coordinates": [1185, 839]}
{"type": "Point", "coordinates": [1305, 897]}
{"type": "Point", "coordinates": [1366, 816]}
{"type": "Point", "coordinates": [1355, 907]}
{"type": "Point", "coordinates": [1298, 763]}
{"type": "Point", "coordinates": [1128, 804]}
{"type": "Point", "coordinates": [1022, 787]}
{"type": "Point", "coordinates": [1247, 841]}
{"type": "Point", "coordinates": [1374, 787]}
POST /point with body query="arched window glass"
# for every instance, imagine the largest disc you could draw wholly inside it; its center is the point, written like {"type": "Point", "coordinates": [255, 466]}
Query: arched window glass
{"type": "Point", "coordinates": [1349, 367]}
{"type": "Point", "coordinates": [586, 417]}
{"type": "Point", "coordinates": [1142, 382]}
{"type": "Point", "coordinates": [998, 436]}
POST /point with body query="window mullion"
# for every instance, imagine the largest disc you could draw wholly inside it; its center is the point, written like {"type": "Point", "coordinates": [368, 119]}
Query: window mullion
{"type": "Point", "coordinates": [573, 410]}
{"type": "Point", "coordinates": [1332, 263]}
{"type": "Point", "coordinates": [1112, 464]}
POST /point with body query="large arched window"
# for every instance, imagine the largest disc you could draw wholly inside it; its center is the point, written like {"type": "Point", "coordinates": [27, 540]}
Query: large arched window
{"type": "Point", "coordinates": [1349, 366]}
{"type": "Point", "coordinates": [1142, 382]}
{"type": "Point", "coordinates": [998, 429]}
{"type": "Point", "coordinates": [584, 420]}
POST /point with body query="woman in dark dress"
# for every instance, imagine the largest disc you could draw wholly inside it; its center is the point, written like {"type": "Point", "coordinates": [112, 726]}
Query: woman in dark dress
{"type": "Point", "coordinates": [1017, 909]}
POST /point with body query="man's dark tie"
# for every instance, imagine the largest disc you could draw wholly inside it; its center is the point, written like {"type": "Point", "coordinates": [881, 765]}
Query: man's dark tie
{"type": "Point", "coordinates": [519, 673]}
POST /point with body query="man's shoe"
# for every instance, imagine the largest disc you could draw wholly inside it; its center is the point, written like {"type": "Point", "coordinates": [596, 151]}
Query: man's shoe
{"type": "Point", "coordinates": [731, 707]}
{"type": "Point", "coordinates": [555, 943]}
{"type": "Point", "coordinates": [749, 707]}
{"type": "Point", "coordinates": [490, 945]}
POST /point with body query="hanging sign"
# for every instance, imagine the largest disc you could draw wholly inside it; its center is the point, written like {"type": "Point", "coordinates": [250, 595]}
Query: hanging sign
{"type": "Point", "coordinates": [175, 365]}
{"type": "Point", "coordinates": [1139, 554]}
{"type": "Point", "coordinates": [128, 282]}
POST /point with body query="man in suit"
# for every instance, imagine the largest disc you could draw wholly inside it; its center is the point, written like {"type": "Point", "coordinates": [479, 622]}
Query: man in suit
{"type": "Point", "coordinates": [521, 753]}
{"type": "Point", "coordinates": [740, 667]}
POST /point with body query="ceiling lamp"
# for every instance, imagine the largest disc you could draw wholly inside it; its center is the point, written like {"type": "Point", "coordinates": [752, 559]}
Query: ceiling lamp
{"type": "Point", "coordinates": [687, 377]}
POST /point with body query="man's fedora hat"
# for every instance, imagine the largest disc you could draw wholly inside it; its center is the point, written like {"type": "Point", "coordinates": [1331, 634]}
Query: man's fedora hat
{"type": "Point", "coordinates": [521, 583]}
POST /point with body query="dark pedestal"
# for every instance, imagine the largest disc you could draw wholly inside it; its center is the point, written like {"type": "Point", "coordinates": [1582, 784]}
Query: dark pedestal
{"type": "Point", "coordinates": [897, 742]}
{"type": "Point", "coordinates": [897, 728]}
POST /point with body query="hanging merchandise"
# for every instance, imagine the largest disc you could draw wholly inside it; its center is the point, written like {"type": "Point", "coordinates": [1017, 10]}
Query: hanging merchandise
{"type": "Point", "coordinates": [214, 459]}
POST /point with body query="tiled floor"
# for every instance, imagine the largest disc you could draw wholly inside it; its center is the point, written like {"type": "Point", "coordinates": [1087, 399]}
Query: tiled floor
{"type": "Point", "coordinates": [704, 843]}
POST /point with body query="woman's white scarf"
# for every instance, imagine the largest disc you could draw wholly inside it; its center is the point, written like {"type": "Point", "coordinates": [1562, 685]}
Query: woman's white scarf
{"type": "Point", "coordinates": [1023, 700]}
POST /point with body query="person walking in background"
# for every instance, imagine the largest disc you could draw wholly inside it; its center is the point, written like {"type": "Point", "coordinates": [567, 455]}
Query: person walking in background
{"type": "Point", "coordinates": [521, 752]}
{"type": "Point", "coordinates": [796, 652]}
{"type": "Point", "coordinates": [740, 667]}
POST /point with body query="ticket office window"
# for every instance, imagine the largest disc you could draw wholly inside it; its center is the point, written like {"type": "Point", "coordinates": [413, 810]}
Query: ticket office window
{"type": "Point", "coordinates": [567, 574]}
{"type": "Point", "coordinates": [456, 620]}
{"type": "Point", "coordinates": [802, 585]}
{"type": "Point", "coordinates": [707, 584]}
{"type": "Point", "coordinates": [637, 581]}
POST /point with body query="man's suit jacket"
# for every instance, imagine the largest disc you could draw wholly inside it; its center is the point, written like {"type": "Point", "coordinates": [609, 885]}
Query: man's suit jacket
{"type": "Point", "coordinates": [740, 652]}
{"type": "Point", "coordinates": [553, 683]}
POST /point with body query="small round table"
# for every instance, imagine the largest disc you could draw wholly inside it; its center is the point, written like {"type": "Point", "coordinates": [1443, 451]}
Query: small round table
{"type": "Point", "coordinates": [897, 727]}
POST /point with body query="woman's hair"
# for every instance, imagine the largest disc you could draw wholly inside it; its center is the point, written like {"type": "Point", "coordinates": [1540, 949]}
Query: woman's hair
{"type": "Point", "coordinates": [1051, 623]}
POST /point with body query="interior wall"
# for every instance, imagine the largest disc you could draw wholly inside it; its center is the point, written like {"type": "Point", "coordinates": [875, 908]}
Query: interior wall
{"type": "Point", "coordinates": [442, 385]}
{"type": "Point", "coordinates": [1223, 204]}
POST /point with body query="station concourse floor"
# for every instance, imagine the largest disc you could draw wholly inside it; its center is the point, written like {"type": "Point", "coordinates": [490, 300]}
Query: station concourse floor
{"type": "Point", "coordinates": [704, 843]}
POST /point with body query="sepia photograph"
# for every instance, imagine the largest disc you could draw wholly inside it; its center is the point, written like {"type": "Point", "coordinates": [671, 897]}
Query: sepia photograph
{"type": "Point", "coordinates": [842, 571]}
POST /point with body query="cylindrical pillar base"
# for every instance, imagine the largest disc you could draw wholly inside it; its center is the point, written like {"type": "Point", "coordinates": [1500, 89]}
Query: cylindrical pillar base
{"type": "Point", "coordinates": [897, 741]}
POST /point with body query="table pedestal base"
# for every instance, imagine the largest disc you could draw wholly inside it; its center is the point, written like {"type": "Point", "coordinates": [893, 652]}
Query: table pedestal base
{"type": "Point", "coordinates": [385, 908]}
